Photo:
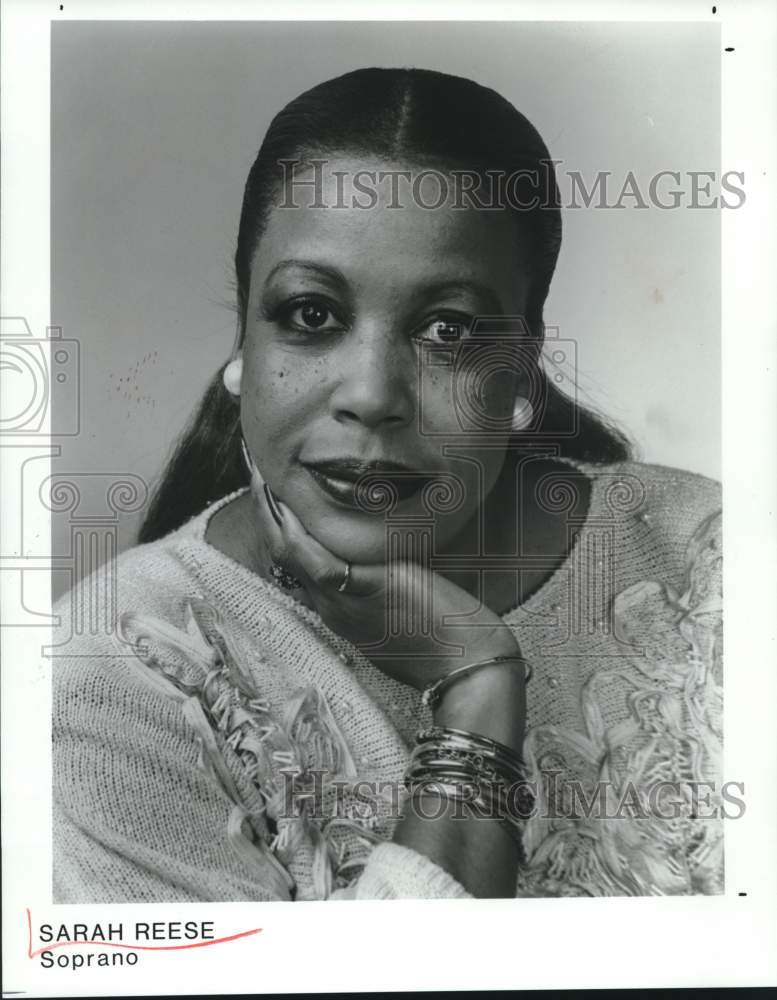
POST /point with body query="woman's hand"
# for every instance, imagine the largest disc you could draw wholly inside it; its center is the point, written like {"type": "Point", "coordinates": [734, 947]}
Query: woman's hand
{"type": "Point", "coordinates": [477, 851]}
{"type": "Point", "coordinates": [396, 613]}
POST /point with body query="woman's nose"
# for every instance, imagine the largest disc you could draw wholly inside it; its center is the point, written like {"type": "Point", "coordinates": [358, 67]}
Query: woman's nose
{"type": "Point", "coordinates": [376, 381]}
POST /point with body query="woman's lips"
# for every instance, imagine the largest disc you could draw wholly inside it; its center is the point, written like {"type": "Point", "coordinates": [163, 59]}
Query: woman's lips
{"type": "Point", "coordinates": [340, 483]}
{"type": "Point", "coordinates": [339, 489]}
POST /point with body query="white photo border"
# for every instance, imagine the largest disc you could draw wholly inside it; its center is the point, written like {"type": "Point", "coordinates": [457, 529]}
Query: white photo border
{"type": "Point", "coordinates": [420, 945]}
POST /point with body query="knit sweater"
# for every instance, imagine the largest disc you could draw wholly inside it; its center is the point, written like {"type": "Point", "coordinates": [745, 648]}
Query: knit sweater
{"type": "Point", "coordinates": [176, 728]}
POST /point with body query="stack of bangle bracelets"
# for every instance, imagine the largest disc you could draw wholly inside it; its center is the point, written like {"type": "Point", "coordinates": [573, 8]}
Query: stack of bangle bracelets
{"type": "Point", "coordinates": [488, 777]}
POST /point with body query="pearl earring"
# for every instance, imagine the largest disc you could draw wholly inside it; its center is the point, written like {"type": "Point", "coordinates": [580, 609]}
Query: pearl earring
{"type": "Point", "coordinates": [523, 413]}
{"type": "Point", "coordinates": [232, 376]}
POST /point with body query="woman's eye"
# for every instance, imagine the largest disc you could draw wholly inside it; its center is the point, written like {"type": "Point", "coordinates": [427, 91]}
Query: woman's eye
{"type": "Point", "coordinates": [311, 316]}
{"type": "Point", "coordinates": [444, 331]}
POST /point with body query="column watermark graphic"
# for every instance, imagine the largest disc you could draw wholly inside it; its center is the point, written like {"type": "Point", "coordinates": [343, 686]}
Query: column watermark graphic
{"type": "Point", "coordinates": [41, 410]}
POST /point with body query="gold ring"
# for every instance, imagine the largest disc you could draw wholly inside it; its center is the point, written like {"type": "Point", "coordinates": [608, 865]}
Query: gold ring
{"type": "Point", "coordinates": [346, 578]}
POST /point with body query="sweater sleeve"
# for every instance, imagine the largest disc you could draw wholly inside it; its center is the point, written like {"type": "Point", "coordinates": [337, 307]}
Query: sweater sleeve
{"type": "Point", "coordinates": [397, 872]}
{"type": "Point", "coordinates": [136, 819]}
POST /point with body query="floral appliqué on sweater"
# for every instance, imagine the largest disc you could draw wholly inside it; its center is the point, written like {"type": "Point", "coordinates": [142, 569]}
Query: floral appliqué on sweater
{"type": "Point", "coordinates": [299, 797]}
{"type": "Point", "coordinates": [633, 806]}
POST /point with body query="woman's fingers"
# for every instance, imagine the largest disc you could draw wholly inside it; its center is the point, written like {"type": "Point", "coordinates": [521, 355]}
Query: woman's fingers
{"type": "Point", "coordinates": [304, 555]}
{"type": "Point", "coordinates": [271, 528]}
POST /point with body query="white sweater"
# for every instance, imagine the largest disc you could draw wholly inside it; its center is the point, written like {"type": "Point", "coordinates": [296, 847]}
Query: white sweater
{"type": "Point", "coordinates": [168, 756]}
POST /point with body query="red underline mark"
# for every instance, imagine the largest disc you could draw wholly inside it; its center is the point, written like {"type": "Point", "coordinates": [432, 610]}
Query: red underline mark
{"type": "Point", "coordinates": [131, 947]}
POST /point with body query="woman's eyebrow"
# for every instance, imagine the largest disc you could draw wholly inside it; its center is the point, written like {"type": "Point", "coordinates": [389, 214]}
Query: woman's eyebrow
{"type": "Point", "coordinates": [331, 274]}
{"type": "Point", "coordinates": [485, 293]}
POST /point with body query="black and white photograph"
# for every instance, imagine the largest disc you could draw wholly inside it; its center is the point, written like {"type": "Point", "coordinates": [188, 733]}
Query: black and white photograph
{"type": "Point", "coordinates": [377, 419]}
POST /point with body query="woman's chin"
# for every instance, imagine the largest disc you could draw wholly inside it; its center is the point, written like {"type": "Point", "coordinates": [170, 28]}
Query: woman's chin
{"type": "Point", "coordinates": [362, 538]}
{"type": "Point", "coordinates": [358, 539]}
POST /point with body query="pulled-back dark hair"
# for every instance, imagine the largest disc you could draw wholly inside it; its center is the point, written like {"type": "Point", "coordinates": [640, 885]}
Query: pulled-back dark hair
{"type": "Point", "coordinates": [401, 115]}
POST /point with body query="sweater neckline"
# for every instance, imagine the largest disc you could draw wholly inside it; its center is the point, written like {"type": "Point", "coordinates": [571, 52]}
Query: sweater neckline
{"type": "Point", "coordinates": [195, 531]}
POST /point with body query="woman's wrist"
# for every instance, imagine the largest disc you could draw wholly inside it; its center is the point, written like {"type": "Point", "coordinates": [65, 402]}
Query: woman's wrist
{"type": "Point", "coordinates": [491, 701]}
{"type": "Point", "coordinates": [479, 852]}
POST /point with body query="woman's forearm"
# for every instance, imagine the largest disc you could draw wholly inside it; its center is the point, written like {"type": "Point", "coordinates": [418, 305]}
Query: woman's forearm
{"type": "Point", "coordinates": [478, 852]}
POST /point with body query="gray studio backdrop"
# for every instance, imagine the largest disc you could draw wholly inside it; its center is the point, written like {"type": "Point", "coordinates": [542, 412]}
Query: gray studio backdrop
{"type": "Point", "coordinates": [154, 128]}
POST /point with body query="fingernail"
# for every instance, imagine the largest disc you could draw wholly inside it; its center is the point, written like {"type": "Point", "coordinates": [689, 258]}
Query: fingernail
{"type": "Point", "coordinates": [277, 517]}
{"type": "Point", "coordinates": [250, 465]}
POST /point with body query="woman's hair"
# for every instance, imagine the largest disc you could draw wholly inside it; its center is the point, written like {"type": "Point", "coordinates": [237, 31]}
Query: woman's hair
{"type": "Point", "coordinates": [398, 115]}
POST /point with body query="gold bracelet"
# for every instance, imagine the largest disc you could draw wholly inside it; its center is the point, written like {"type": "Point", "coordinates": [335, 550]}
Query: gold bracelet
{"type": "Point", "coordinates": [494, 772]}
{"type": "Point", "coordinates": [453, 739]}
{"type": "Point", "coordinates": [433, 692]}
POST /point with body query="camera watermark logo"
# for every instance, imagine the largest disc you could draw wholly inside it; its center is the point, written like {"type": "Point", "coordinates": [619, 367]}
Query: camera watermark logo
{"type": "Point", "coordinates": [33, 369]}
{"type": "Point", "coordinates": [497, 348]}
{"type": "Point", "coordinates": [40, 410]}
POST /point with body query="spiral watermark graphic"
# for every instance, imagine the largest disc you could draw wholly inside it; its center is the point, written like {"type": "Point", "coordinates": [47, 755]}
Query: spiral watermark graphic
{"type": "Point", "coordinates": [560, 492]}
{"type": "Point", "coordinates": [377, 493]}
{"type": "Point", "coordinates": [444, 494]}
{"type": "Point", "coordinates": [625, 494]}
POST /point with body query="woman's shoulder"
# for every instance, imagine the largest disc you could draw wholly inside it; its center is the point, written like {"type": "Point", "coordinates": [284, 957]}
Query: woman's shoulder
{"type": "Point", "coordinates": [150, 575]}
{"type": "Point", "coordinates": [662, 495]}
{"type": "Point", "coordinates": [671, 477]}
{"type": "Point", "coordinates": [661, 517]}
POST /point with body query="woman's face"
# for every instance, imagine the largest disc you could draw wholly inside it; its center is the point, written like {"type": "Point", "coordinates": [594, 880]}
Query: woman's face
{"type": "Point", "coordinates": [355, 319]}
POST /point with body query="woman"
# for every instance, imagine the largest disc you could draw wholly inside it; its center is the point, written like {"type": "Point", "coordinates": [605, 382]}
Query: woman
{"type": "Point", "coordinates": [405, 621]}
